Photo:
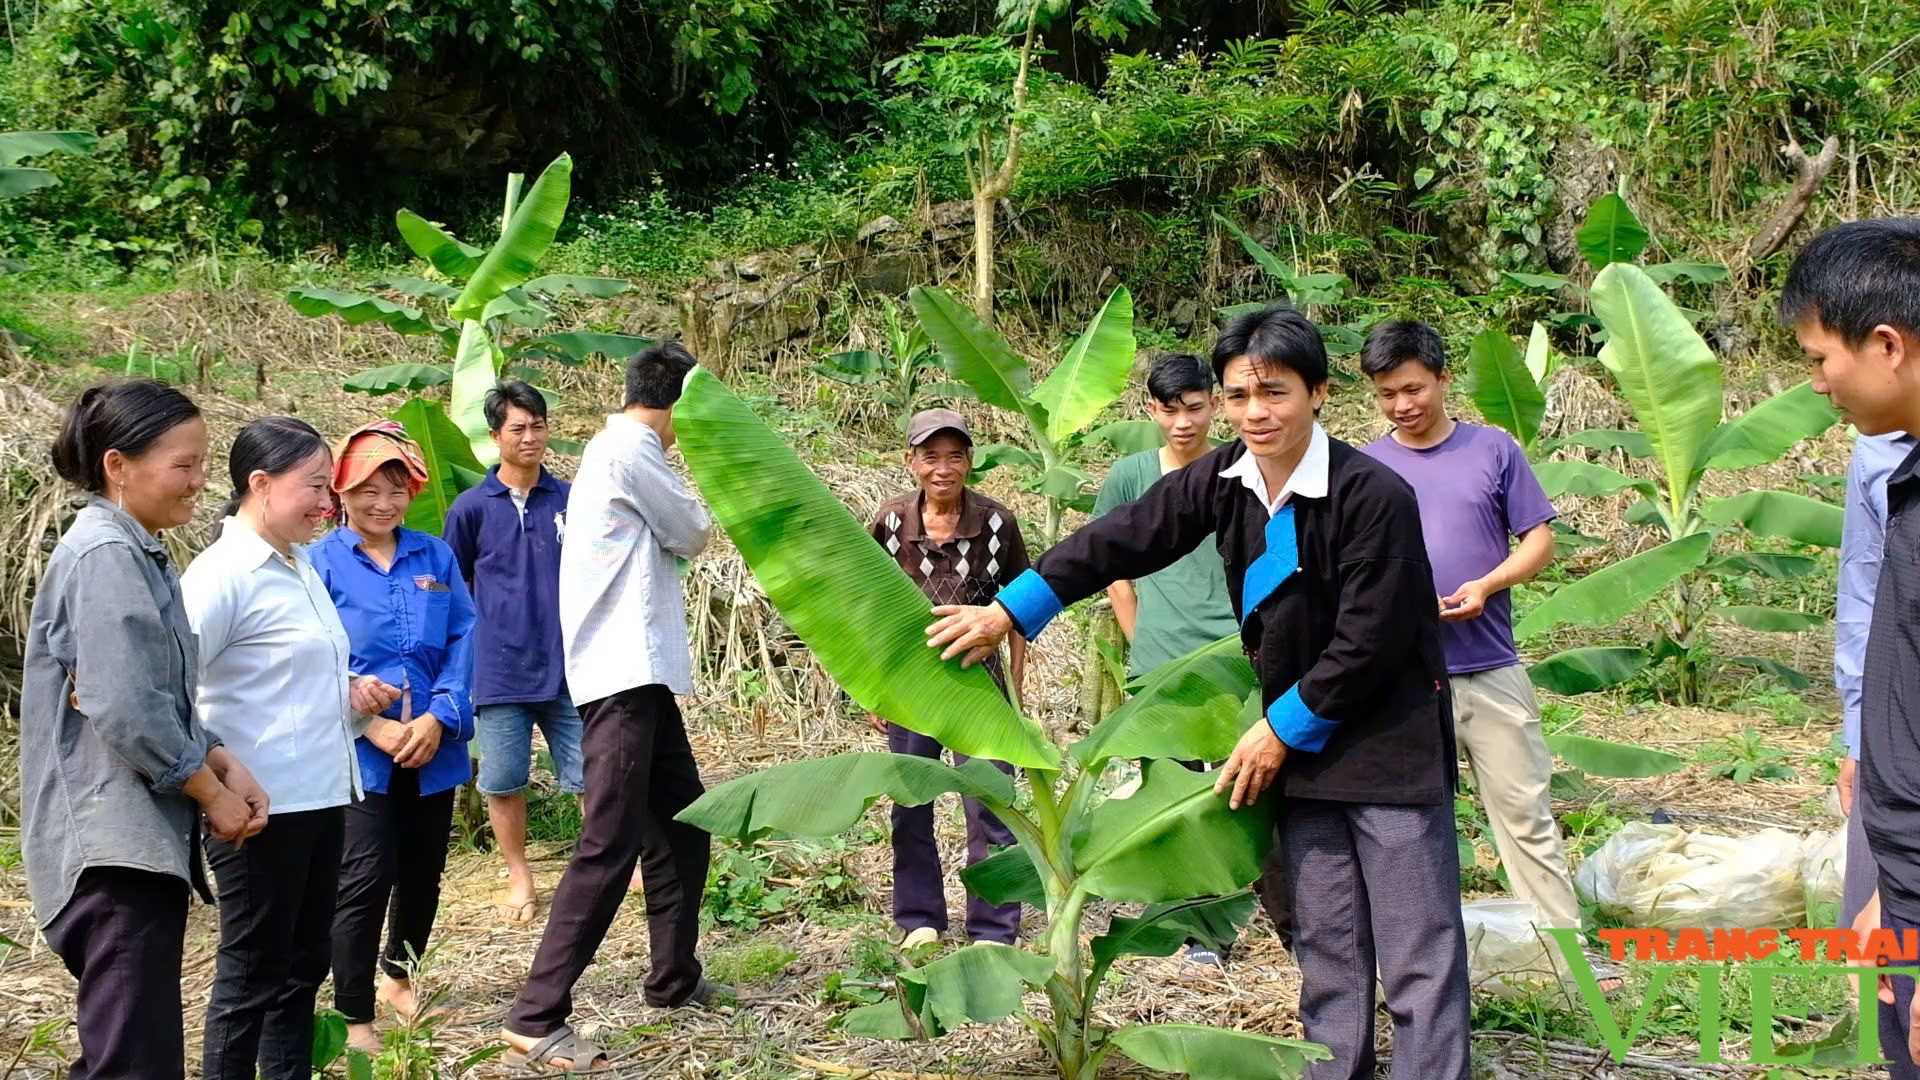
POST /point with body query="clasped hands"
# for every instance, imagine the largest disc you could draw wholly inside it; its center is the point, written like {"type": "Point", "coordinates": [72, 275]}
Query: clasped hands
{"type": "Point", "coordinates": [412, 743]}
{"type": "Point", "coordinates": [974, 633]}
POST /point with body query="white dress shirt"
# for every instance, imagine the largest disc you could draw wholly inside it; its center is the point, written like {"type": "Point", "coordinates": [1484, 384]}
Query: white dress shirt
{"type": "Point", "coordinates": [1309, 477]}
{"type": "Point", "coordinates": [273, 669]}
{"type": "Point", "coordinates": [622, 613]}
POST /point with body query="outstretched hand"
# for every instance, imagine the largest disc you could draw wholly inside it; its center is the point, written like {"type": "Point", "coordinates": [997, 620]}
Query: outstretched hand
{"type": "Point", "coordinates": [975, 632]}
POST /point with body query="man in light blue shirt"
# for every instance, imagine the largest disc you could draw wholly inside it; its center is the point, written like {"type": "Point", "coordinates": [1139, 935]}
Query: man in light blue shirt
{"type": "Point", "coordinates": [1861, 539]}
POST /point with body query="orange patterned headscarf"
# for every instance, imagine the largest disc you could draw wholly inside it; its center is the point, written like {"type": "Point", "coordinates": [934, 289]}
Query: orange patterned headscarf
{"type": "Point", "coordinates": [361, 454]}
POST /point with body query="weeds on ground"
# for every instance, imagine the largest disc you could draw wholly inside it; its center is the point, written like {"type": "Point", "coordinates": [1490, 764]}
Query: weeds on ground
{"type": "Point", "coordinates": [1745, 757]}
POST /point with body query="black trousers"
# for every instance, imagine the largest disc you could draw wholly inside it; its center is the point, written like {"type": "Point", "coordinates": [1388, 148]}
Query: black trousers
{"type": "Point", "coordinates": [122, 935]}
{"type": "Point", "coordinates": [396, 849]}
{"type": "Point", "coordinates": [276, 931]}
{"type": "Point", "coordinates": [640, 772]}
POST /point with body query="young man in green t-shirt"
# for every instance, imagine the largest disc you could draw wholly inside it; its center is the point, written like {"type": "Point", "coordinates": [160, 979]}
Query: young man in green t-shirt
{"type": "Point", "coordinates": [1185, 607]}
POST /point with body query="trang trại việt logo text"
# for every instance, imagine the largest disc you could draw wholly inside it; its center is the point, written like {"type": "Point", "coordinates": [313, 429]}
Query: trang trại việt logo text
{"type": "Point", "coordinates": [1705, 952]}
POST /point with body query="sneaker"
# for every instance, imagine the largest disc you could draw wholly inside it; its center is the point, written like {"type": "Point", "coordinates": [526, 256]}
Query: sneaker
{"type": "Point", "coordinates": [1200, 954]}
{"type": "Point", "coordinates": [918, 937]}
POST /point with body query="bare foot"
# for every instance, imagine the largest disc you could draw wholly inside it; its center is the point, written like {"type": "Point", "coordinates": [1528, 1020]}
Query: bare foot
{"type": "Point", "coordinates": [518, 908]}
{"type": "Point", "coordinates": [399, 996]}
{"type": "Point", "coordinates": [363, 1038]}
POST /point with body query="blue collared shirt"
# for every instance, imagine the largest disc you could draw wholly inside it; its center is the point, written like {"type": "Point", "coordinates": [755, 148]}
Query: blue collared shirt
{"type": "Point", "coordinates": [511, 561]}
{"type": "Point", "coordinates": [412, 625]}
{"type": "Point", "coordinates": [1861, 540]}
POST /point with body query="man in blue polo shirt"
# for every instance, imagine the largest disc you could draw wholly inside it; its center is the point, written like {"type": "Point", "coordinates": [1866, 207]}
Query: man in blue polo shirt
{"type": "Point", "coordinates": [506, 534]}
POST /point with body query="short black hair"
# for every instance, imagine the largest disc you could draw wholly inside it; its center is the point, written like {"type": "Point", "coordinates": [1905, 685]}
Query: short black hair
{"type": "Point", "coordinates": [128, 416]}
{"type": "Point", "coordinates": [1856, 276]}
{"type": "Point", "coordinates": [1178, 373]}
{"type": "Point", "coordinates": [656, 375]}
{"type": "Point", "coordinates": [1276, 334]}
{"type": "Point", "coordinates": [1394, 343]}
{"type": "Point", "coordinates": [511, 394]}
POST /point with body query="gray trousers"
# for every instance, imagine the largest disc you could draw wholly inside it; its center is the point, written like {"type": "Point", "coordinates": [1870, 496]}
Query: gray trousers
{"type": "Point", "coordinates": [1376, 886]}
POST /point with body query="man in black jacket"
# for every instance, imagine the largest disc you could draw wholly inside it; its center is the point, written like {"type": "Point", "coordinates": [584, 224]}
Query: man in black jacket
{"type": "Point", "coordinates": [1328, 574]}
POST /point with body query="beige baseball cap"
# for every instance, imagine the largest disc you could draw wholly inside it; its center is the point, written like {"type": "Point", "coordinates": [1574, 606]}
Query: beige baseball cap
{"type": "Point", "coordinates": [927, 422]}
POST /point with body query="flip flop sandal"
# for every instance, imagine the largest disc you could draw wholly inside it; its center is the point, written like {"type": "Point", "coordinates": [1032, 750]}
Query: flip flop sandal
{"type": "Point", "coordinates": [562, 1045]}
{"type": "Point", "coordinates": [520, 914]}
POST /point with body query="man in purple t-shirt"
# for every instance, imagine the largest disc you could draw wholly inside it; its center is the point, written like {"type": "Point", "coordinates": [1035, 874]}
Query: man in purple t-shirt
{"type": "Point", "coordinates": [1476, 490]}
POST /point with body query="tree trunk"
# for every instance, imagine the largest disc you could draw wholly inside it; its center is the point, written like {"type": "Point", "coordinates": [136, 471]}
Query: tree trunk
{"type": "Point", "coordinates": [983, 209]}
{"type": "Point", "coordinates": [1808, 172]}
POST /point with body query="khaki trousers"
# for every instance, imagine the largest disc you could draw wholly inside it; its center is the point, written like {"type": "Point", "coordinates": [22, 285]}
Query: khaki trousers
{"type": "Point", "coordinates": [1496, 721]}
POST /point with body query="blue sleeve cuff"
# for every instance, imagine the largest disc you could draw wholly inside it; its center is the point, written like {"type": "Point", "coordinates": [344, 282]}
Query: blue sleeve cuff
{"type": "Point", "coordinates": [447, 711]}
{"type": "Point", "coordinates": [192, 756]}
{"type": "Point", "coordinates": [1031, 602]}
{"type": "Point", "coordinates": [1296, 726]}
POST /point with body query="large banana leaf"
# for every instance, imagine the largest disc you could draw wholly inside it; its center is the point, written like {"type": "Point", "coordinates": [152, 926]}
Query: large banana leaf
{"type": "Point", "coordinates": [1582, 671]}
{"type": "Point", "coordinates": [438, 246]}
{"type": "Point", "coordinates": [20, 179]}
{"type": "Point", "coordinates": [1611, 234]}
{"type": "Point", "coordinates": [1162, 929]}
{"type": "Point", "coordinates": [451, 468]}
{"type": "Point", "coordinates": [1005, 876]}
{"type": "Point", "coordinates": [474, 371]}
{"type": "Point", "coordinates": [978, 984]}
{"type": "Point", "coordinates": [1189, 709]}
{"type": "Point", "coordinates": [1792, 677]}
{"type": "Point", "coordinates": [993, 455]}
{"type": "Point", "coordinates": [1540, 359]}
{"type": "Point", "coordinates": [358, 308]}
{"type": "Point", "coordinates": [1559, 478]}
{"type": "Point", "coordinates": [395, 378]}
{"type": "Point", "coordinates": [578, 346]}
{"type": "Point", "coordinates": [1664, 369]}
{"type": "Point", "coordinates": [1094, 372]}
{"type": "Point", "coordinates": [1768, 620]}
{"type": "Point", "coordinates": [1602, 757]}
{"type": "Point", "coordinates": [1210, 1053]}
{"type": "Point", "coordinates": [1769, 429]}
{"type": "Point", "coordinates": [977, 354]}
{"type": "Point", "coordinates": [1503, 389]}
{"type": "Point", "coordinates": [17, 146]}
{"type": "Point", "coordinates": [1129, 436]}
{"type": "Point", "coordinates": [1172, 839]}
{"type": "Point", "coordinates": [824, 796]}
{"type": "Point", "coordinates": [1781, 514]}
{"type": "Point", "coordinates": [528, 235]}
{"type": "Point", "coordinates": [1608, 595]}
{"type": "Point", "coordinates": [1667, 273]}
{"type": "Point", "coordinates": [579, 284]}
{"type": "Point", "coordinates": [841, 592]}
{"type": "Point", "coordinates": [418, 286]}
{"type": "Point", "coordinates": [1767, 564]}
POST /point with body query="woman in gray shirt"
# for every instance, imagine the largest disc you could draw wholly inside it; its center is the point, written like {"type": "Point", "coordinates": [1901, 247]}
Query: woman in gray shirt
{"type": "Point", "coordinates": [116, 770]}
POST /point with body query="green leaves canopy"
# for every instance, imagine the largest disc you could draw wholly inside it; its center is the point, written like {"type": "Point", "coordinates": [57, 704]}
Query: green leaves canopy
{"type": "Point", "coordinates": [1094, 372]}
{"type": "Point", "coordinates": [844, 595]}
{"type": "Point", "coordinates": [1666, 372]}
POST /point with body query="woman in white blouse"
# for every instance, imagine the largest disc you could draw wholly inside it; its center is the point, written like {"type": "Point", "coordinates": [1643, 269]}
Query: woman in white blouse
{"type": "Point", "coordinates": [274, 686]}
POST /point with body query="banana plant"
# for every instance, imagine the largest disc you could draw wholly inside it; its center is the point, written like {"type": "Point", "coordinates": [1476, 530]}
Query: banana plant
{"type": "Point", "coordinates": [1612, 234]}
{"type": "Point", "coordinates": [1091, 376]}
{"type": "Point", "coordinates": [1673, 385]}
{"type": "Point", "coordinates": [899, 374]}
{"type": "Point", "coordinates": [494, 315]}
{"type": "Point", "coordinates": [1299, 290]}
{"type": "Point", "coordinates": [1510, 389]}
{"type": "Point", "coordinates": [1169, 842]}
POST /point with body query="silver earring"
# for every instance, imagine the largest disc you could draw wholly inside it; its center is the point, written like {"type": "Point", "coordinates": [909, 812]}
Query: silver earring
{"type": "Point", "coordinates": [120, 499]}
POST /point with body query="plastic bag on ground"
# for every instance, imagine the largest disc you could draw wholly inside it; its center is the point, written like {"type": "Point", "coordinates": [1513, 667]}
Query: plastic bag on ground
{"type": "Point", "coordinates": [1663, 876]}
{"type": "Point", "coordinates": [1823, 876]}
{"type": "Point", "coordinates": [1505, 951]}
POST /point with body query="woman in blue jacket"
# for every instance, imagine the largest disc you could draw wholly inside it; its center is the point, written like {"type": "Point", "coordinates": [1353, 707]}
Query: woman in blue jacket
{"type": "Point", "coordinates": [410, 621]}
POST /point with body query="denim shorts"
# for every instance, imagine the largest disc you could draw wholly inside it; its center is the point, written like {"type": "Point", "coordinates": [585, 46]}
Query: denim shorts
{"type": "Point", "coordinates": [506, 744]}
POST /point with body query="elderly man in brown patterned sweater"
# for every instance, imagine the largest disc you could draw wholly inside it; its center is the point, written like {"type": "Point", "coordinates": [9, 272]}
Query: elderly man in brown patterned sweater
{"type": "Point", "coordinates": [960, 547]}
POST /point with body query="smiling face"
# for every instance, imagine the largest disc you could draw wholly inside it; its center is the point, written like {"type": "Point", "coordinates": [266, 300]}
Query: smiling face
{"type": "Point", "coordinates": [522, 439]}
{"type": "Point", "coordinates": [1185, 420]}
{"type": "Point", "coordinates": [1413, 397]}
{"type": "Point", "coordinates": [1271, 406]}
{"type": "Point", "coordinates": [940, 465]}
{"type": "Point", "coordinates": [293, 504]}
{"type": "Point", "coordinates": [1864, 381]}
{"type": "Point", "coordinates": [378, 505]}
{"type": "Point", "coordinates": [160, 486]}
